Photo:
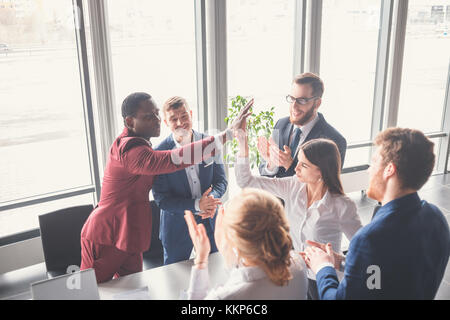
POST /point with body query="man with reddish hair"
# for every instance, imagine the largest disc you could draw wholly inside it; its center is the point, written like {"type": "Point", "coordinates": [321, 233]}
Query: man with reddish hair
{"type": "Point", "coordinates": [118, 231]}
{"type": "Point", "coordinates": [403, 252]}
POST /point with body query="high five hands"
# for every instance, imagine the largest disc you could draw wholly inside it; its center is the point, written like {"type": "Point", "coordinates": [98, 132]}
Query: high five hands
{"type": "Point", "coordinates": [239, 122]}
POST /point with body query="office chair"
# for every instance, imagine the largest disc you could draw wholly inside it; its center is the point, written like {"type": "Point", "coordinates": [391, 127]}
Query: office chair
{"type": "Point", "coordinates": [154, 256]}
{"type": "Point", "coordinates": [60, 236]}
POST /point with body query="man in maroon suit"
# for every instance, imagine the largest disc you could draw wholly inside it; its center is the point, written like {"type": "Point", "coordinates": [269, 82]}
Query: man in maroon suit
{"type": "Point", "coordinates": [118, 230]}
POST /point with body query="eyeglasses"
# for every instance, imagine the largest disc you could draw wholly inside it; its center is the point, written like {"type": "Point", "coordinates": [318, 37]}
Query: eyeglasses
{"type": "Point", "coordinates": [301, 101]}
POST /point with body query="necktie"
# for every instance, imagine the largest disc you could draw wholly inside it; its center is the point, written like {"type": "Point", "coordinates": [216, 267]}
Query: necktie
{"type": "Point", "coordinates": [295, 140]}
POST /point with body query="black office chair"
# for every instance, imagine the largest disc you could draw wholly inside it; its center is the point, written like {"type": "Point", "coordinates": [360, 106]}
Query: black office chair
{"type": "Point", "coordinates": [154, 256]}
{"type": "Point", "coordinates": [60, 235]}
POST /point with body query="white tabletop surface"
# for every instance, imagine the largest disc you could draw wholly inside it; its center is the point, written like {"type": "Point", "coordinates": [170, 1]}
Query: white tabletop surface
{"type": "Point", "coordinates": [163, 283]}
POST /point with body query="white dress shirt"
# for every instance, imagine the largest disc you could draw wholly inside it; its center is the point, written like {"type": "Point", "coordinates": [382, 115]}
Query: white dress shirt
{"type": "Point", "coordinates": [250, 283]}
{"type": "Point", "coordinates": [192, 174]}
{"type": "Point", "coordinates": [324, 221]}
{"type": "Point", "coordinates": [305, 130]}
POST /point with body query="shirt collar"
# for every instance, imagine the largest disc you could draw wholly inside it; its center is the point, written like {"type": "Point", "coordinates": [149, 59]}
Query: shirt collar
{"type": "Point", "coordinates": [128, 133]}
{"type": "Point", "coordinates": [306, 129]}
{"type": "Point", "coordinates": [247, 274]}
{"type": "Point", "coordinates": [402, 204]}
{"type": "Point", "coordinates": [325, 201]}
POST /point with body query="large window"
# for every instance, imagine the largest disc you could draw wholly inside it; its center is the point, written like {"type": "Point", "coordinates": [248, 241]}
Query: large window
{"type": "Point", "coordinates": [153, 50]}
{"type": "Point", "coordinates": [348, 61]}
{"type": "Point", "coordinates": [43, 143]}
{"type": "Point", "coordinates": [425, 65]}
{"type": "Point", "coordinates": [260, 46]}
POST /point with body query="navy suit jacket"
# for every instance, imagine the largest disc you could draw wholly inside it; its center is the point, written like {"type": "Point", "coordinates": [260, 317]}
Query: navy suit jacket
{"type": "Point", "coordinates": [409, 240]}
{"type": "Point", "coordinates": [283, 130]}
{"type": "Point", "coordinates": [173, 195]}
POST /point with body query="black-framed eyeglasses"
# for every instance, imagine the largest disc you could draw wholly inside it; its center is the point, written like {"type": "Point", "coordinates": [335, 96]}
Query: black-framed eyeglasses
{"type": "Point", "coordinates": [301, 101]}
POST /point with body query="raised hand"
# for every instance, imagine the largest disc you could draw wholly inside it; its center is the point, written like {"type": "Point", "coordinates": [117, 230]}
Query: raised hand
{"type": "Point", "coordinates": [280, 158]}
{"type": "Point", "coordinates": [199, 238]}
{"type": "Point", "coordinates": [239, 122]}
{"type": "Point", "coordinates": [264, 148]}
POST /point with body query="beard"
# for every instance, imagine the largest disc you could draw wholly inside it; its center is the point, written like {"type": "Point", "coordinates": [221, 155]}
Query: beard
{"type": "Point", "coordinates": [376, 187]}
{"type": "Point", "coordinates": [306, 117]}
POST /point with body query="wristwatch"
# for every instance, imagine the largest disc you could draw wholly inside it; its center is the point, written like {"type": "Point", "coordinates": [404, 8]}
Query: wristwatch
{"type": "Point", "coordinates": [342, 265]}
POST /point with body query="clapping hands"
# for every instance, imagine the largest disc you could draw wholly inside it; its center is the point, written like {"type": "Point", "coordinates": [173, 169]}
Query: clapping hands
{"type": "Point", "coordinates": [273, 155]}
{"type": "Point", "coordinates": [208, 204]}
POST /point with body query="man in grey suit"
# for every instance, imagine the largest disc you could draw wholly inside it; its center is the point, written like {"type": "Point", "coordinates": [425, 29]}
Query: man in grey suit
{"type": "Point", "coordinates": [304, 123]}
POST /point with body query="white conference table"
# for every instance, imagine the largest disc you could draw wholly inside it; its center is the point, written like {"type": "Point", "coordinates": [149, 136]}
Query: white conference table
{"type": "Point", "coordinates": [164, 283]}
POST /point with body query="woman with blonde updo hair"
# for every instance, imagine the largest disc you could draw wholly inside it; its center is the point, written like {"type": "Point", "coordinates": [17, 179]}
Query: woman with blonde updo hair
{"type": "Point", "coordinates": [252, 234]}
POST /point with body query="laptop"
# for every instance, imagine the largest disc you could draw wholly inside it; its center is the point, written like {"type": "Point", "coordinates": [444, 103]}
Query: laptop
{"type": "Point", "coordinates": [81, 285]}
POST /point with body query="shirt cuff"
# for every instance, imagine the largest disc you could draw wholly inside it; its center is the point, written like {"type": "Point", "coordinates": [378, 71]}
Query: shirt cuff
{"type": "Point", "coordinates": [198, 287]}
{"type": "Point", "coordinates": [323, 265]}
{"type": "Point", "coordinates": [197, 205]}
{"type": "Point", "coordinates": [218, 145]}
{"type": "Point", "coordinates": [267, 171]}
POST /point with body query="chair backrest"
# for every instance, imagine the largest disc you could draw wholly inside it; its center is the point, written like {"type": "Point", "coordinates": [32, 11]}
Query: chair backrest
{"type": "Point", "coordinates": [156, 248]}
{"type": "Point", "coordinates": [60, 235]}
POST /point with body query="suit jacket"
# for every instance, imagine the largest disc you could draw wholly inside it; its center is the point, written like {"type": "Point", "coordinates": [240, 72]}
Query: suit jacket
{"type": "Point", "coordinates": [123, 216]}
{"type": "Point", "coordinates": [408, 241]}
{"type": "Point", "coordinates": [173, 194]}
{"type": "Point", "coordinates": [283, 130]}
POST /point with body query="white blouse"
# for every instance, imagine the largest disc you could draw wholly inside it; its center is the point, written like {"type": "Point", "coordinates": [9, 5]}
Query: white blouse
{"type": "Point", "coordinates": [250, 283]}
{"type": "Point", "coordinates": [324, 221]}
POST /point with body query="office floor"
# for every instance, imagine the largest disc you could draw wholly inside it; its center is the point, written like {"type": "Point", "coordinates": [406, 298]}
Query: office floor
{"type": "Point", "coordinates": [15, 285]}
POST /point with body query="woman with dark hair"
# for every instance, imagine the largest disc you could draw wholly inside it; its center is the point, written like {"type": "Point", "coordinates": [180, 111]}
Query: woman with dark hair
{"type": "Point", "coordinates": [316, 205]}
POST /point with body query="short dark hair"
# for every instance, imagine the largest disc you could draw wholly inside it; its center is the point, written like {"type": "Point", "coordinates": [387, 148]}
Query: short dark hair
{"type": "Point", "coordinates": [324, 154]}
{"type": "Point", "coordinates": [411, 153]}
{"type": "Point", "coordinates": [131, 104]}
{"type": "Point", "coordinates": [313, 80]}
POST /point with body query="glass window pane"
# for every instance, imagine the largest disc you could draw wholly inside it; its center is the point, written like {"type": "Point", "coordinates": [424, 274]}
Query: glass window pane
{"type": "Point", "coordinates": [425, 65]}
{"type": "Point", "coordinates": [153, 50]}
{"type": "Point", "coordinates": [43, 143]}
{"type": "Point", "coordinates": [348, 63]}
{"type": "Point", "coordinates": [357, 157]}
{"type": "Point", "coordinates": [260, 37]}
{"type": "Point", "coordinates": [27, 218]}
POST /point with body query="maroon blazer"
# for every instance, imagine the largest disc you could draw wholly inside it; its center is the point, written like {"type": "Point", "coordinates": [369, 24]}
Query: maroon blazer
{"type": "Point", "coordinates": [123, 216]}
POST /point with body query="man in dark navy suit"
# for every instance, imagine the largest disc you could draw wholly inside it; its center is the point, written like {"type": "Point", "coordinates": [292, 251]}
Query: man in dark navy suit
{"type": "Point", "coordinates": [303, 124]}
{"type": "Point", "coordinates": [403, 252]}
{"type": "Point", "coordinates": [197, 188]}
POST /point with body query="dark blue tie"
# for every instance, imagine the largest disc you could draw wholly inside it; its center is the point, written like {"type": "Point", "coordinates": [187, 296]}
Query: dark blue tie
{"type": "Point", "coordinates": [295, 140]}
